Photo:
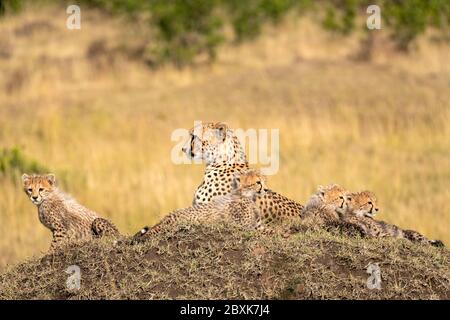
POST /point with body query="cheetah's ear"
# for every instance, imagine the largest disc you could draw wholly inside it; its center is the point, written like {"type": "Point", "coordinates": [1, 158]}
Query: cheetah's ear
{"type": "Point", "coordinates": [347, 196]}
{"type": "Point", "coordinates": [259, 174]}
{"type": "Point", "coordinates": [51, 179]}
{"type": "Point", "coordinates": [321, 190]}
{"type": "Point", "coordinates": [25, 178]}
{"type": "Point", "coordinates": [263, 181]}
{"type": "Point", "coordinates": [222, 130]}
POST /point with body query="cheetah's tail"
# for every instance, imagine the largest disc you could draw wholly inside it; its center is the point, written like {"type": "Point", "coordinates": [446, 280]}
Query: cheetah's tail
{"type": "Point", "coordinates": [138, 236]}
{"type": "Point", "coordinates": [437, 243]}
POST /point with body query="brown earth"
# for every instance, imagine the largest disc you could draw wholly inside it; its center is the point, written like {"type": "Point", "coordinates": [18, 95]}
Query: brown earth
{"type": "Point", "coordinates": [223, 262]}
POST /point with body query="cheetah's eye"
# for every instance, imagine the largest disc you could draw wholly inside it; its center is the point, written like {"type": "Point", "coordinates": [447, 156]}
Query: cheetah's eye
{"type": "Point", "coordinates": [30, 190]}
{"type": "Point", "coordinates": [258, 182]}
{"type": "Point", "coordinates": [370, 202]}
{"type": "Point", "coordinates": [41, 189]}
{"type": "Point", "coordinates": [349, 199]}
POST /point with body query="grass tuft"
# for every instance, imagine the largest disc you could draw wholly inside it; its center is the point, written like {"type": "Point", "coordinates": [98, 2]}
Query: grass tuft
{"type": "Point", "coordinates": [224, 262]}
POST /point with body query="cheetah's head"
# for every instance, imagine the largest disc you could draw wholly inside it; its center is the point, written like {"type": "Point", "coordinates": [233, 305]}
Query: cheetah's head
{"type": "Point", "coordinates": [249, 183]}
{"type": "Point", "coordinates": [361, 204]}
{"type": "Point", "coordinates": [38, 187]}
{"type": "Point", "coordinates": [331, 195]}
{"type": "Point", "coordinates": [213, 142]}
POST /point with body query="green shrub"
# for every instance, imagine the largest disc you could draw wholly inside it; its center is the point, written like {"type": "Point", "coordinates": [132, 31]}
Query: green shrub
{"type": "Point", "coordinates": [247, 17]}
{"type": "Point", "coordinates": [406, 19]}
{"type": "Point", "coordinates": [410, 18]}
{"type": "Point", "coordinates": [10, 6]}
{"type": "Point", "coordinates": [13, 163]}
{"type": "Point", "coordinates": [340, 16]}
{"type": "Point", "coordinates": [187, 29]}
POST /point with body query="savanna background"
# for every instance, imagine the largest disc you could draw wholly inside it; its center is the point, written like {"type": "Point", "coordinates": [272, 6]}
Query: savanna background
{"type": "Point", "coordinates": [97, 106]}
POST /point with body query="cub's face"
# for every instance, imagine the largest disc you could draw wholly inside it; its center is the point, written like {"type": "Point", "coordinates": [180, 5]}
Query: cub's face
{"type": "Point", "coordinates": [331, 195]}
{"type": "Point", "coordinates": [250, 183]}
{"type": "Point", "coordinates": [38, 187]}
{"type": "Point", "coordinates": [205, 141]}
{"type": "Point", "coordinates": [361, 204]}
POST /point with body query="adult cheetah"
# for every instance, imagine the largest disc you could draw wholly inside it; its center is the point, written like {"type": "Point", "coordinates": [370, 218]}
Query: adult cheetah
{"type": "Point", "coordinates": [67, 219]}
{"type": "Point", "coordinates": [218, 146]}
{"type": "Point", "coordinates": [238, 206]}
{"type": "Point", "coordinates": [223, 154]}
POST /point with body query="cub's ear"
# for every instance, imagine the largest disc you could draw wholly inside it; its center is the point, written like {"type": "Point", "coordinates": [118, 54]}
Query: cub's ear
{"type": "Point", "coordinates": [51, 179]}
{"type": "Point", "coordinates": [25, 178]}
{"type": "Point", "coordinates": [347, 196]}
{"type": "Point", "coordinates": [321, 190]}
{"type": "Point", "coordinates": [221, 130]}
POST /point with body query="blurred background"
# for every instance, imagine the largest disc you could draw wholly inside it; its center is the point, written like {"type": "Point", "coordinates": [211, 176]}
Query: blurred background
{"type": "Point", "coordinates": [367, 109]}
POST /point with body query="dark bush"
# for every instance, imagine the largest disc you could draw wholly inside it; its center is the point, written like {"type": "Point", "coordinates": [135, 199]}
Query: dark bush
{"type": "Point", "coordinates": [10, 6]}
{"type": "Point", "coordinates": [187, 29]}
{"type": "Point", "coordinates": [13, 163]}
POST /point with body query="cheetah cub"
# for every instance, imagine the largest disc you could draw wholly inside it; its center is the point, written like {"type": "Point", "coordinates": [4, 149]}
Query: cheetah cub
{"type": "Point", "coordinates": [67, 219]}
{"type": "Point", "coordinates": [357, 214]}
{"type": "Point", "coordinates": [321, 208]}
{"type": "Point", "coordinates": [238, 206]}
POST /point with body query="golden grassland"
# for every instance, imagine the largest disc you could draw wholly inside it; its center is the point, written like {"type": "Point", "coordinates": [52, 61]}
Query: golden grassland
{"type": "Point", "coordinates": [102, 120]}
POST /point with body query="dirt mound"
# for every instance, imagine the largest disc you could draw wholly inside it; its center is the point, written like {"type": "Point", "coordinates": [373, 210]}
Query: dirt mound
{"type": "Point", "coordinates": [223, 262]}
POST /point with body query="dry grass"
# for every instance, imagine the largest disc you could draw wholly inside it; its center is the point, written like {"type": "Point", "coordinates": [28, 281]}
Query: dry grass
{"type": "Point", "coordinates": [223, 262]}
{"type": "Point", "coordinates": [102, 120]}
